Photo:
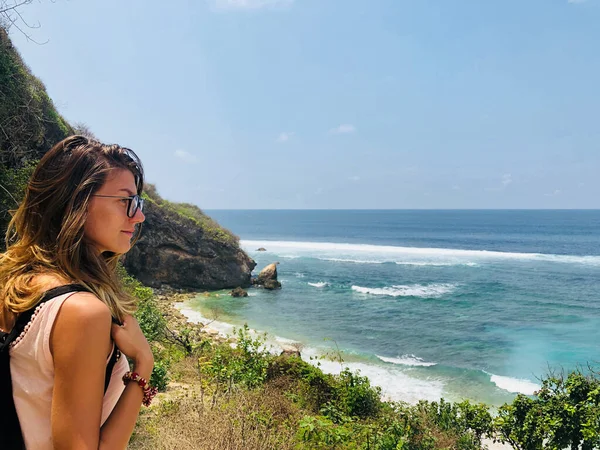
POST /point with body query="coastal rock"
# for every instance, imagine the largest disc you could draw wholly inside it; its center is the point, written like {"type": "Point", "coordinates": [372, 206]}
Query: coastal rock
{"type": "Point", "coordinates": [262, 249]}
{"type": "Point", "coordinates": [267, 277]}
{"type": "Point", "coordinates": [176, 250]}
{"type": "Point", "coordinates": [268, 273]}
{"type": "Point", "coordinates": [239, 292]}
{"type": "Point", "coordinates": [290, 350]}
{"type": "Point", "coordinates": [210, 331]}
{"type": "Point", "coordinates": [271, 284]}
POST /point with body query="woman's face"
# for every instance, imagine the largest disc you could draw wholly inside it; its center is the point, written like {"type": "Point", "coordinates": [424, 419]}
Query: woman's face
{"type": "Point", "coordinates": [107, 226]}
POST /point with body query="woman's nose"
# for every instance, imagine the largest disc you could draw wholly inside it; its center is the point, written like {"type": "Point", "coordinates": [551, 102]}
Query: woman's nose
{"type": "Point", "coordinates": [138, 217]}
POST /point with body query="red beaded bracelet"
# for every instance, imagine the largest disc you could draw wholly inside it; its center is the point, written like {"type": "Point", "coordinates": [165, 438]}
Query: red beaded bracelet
{"type": "Point", "coordinates": [149, 391]}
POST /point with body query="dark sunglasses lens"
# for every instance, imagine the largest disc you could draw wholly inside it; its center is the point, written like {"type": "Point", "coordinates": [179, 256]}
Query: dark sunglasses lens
{"type": "Point", "coordinates": [133, 206]}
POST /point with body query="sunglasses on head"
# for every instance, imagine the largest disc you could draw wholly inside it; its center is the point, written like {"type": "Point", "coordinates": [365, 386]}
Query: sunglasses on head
{"type": "Point", "coordinates": [134, 203]}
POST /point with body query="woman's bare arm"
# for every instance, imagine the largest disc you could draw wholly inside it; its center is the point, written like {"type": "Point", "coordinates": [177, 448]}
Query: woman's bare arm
{"type": "Point", "coordinates": [80, 343]}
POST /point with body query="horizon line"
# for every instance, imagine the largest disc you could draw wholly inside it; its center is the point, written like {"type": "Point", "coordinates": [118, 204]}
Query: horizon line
{"type": "Point", "coordinates": [401, 209]}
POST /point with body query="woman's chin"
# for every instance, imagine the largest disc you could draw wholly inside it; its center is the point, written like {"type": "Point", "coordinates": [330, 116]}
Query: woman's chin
{"type": "Point", "coordinates": [123, 247]}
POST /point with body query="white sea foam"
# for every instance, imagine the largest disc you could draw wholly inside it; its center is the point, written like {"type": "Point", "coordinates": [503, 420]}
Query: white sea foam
{"type": "Point", "coordinates": [356, 261]}
{"type": "Point", "coordinates": [395, 385]}
{"type": "Point", "coordinates": [414, 290]}
{"type": "Point", "coordinates": [377, 254]}
{"type": "Point", "coordinates": [320, 284]}
{"type": "Point", "coordinates": [407, 360]}
{"type": "Point", "coordinates": [514, 385]}
{"type": "Point", "coordinates": [438, 264]}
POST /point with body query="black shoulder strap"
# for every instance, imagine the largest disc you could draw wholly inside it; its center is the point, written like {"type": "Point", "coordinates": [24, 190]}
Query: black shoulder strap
{"type": "Point", "coordinates": [25, 316]}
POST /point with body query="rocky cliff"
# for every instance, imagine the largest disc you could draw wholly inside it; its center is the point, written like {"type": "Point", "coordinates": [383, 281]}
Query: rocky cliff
{"type": "Point", "coordinates": [182, 247]}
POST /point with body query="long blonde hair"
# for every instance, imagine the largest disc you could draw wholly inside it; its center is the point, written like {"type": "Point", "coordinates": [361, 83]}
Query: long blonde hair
{"type": "Point", "coordinates": [46, 233]}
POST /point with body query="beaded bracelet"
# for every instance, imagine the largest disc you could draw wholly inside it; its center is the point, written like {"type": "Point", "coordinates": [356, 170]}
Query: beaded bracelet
{"type": "Point", "coordinates": [149, 391]}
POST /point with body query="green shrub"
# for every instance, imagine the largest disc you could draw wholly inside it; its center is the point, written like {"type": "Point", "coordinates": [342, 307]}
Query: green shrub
{"type": "Point", "coordinates": [148, 315]}
{"type": "Point", "coordinates": [564, 414]}
{"type": "Point", "coordinates": [160, 377]}
{"type": "Point", "coordinates": [355, 397]}
{"type": "Point", "coordinates": [245, 365]}
{"type": "Point", "coordinates": [310, 387]}
{"type": "Point", "coordinates": [12, 189]}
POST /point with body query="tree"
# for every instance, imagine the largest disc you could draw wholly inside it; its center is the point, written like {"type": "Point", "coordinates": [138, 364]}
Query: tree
{"type": "Point", "coordinates": [565, 413]}
{"type": "Point", "coordinates": [11, 17]}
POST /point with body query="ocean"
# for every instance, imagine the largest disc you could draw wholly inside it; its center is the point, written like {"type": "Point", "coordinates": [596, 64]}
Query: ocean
{"type": "Point", "coordinates": [427, 304]}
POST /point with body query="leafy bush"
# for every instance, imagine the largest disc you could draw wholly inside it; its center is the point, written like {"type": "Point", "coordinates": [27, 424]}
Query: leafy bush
{"type": "Point", "coordinates": [150, 318]}
{"type": "Point", "coordinates": [12, 188]}
{"type": "Point", "coordinates": [355, 396]}
{"type": "Point", "coordinates": [308, 385]}
{"type": "Point", "coordinates": [246, 364]}
{"type": "Point", "coordinates": [564, 414]}
{"type": "Point", "coordinates": [160, 377]}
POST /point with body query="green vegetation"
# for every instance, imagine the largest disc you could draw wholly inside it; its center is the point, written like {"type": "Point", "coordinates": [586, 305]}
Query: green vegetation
{"type": "Point", "coordinates": [565, 413]}
{"type": "Point", "coordinates": [242, 396]}
{"type": "Point", "coordinates": [29, 122]}
{"type": "Point", "coordinates": [210, 228]}
{"type": "Point", "coordinates": [12, 188]}
{"type": "Point", "coordinates": [153, 325]}
{"type": "Point", "coordinates": [29, 126]}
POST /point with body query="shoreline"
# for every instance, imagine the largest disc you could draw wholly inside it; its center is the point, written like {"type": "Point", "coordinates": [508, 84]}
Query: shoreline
{"type": "Point", "coordinates": [409, 380]}
{"type": "Point", "coordinates": [176, 302]}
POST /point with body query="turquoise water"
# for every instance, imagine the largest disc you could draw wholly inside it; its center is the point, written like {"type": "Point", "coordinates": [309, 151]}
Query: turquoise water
{"type": "Point", "coordinates": [460, 304]}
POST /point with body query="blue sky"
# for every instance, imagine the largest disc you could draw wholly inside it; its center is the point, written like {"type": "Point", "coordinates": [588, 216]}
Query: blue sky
{"type": "Point", "coordinates": [337, 104]}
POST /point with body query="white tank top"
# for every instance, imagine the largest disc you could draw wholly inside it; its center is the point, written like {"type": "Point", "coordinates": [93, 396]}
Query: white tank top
{"type": "Point", "coordinates": [32, 373]}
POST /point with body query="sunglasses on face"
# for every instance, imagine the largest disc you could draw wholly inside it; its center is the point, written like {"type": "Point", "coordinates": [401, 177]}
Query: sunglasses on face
{"type": "Point", "coordinates": [134, 203]}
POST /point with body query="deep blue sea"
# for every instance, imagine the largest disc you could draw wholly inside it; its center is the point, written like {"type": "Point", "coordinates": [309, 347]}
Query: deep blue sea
{"type": "Point", "coordinates": [459, 304]}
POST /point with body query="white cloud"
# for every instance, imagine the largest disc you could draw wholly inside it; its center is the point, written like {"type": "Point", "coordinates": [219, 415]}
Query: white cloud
{"type": "Point", "coordinates": [185, 156]}
{"type": "Point", "coordinates": [343, 129]}
{"type": "Point", "coordinates": [354, 178]}
{"type": "Point", "coordinates": [284, 136]}
{"type": "Point", "coordinates": [505, 181]}
{"type": "Point", "coordinates": [554, 194]}
{"type": "Point", "coordinates": [237, 5]}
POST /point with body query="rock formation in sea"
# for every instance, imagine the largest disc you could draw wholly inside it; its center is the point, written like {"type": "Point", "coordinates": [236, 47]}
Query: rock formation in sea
{"type": "Point", "coordinates": [239, 292]}
{"type": "Point", "coordinates": [267, 277]}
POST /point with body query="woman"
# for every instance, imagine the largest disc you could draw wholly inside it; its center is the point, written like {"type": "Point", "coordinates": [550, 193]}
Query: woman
{"type": "Point", "coordinates": [79, 215]}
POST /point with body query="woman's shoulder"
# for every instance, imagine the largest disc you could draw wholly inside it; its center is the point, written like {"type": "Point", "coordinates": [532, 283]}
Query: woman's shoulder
{"type": "Point", "coordinates": [82, 318]}
{"type": "Point", "coordinates": [85, 307]}
{"type": "Point", "coordinates": [79, 305]}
